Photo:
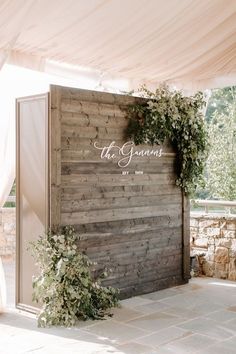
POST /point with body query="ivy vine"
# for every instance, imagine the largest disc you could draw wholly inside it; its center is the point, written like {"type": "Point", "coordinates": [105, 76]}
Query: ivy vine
{"type": "Point", "coordinates": [166, 114]}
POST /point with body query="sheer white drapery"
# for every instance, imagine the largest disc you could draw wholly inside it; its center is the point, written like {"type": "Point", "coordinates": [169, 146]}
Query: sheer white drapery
{"type": "Point", "coordinates": [13, 83]}
{"type": "Point", "coordinates": [7, 140]}
{"type": "Point", "coordinates": [189, 43]}
{"type": "Point", "coordinates": [7, 161]}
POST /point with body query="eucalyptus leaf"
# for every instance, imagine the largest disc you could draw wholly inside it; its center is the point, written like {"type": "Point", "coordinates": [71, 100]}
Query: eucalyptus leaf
{"type": "Point", "coordinates": [169, 115]}
{"type": "Point", "coordinates": [66, 287]}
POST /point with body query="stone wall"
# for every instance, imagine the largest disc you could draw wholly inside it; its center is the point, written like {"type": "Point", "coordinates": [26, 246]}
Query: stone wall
{"type": "Point", "coordinates": [7, 233]}
{"type": "Point", "coordinates": [213, 240]}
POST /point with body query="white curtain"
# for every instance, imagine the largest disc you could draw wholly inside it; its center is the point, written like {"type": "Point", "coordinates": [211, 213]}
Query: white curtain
{"type": "Point", "coordinates": [14, 82]}
{"type": "Point", "coordinates": [7, 140]}
{"type": "Point", "coordinates": [7, 161]}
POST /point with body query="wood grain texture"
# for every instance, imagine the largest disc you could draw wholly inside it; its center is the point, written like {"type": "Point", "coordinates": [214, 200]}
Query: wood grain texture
{"type": "Point", "coordinates": [55, 157]}
{"type": "Point", "coordinates": [186, 237]}
{"type": "Point", "coordinates": [133, 224]}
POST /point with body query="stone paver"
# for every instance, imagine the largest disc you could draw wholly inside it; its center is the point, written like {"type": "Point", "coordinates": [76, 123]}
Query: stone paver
{"type": "Point", "coordinates": [199, 317]}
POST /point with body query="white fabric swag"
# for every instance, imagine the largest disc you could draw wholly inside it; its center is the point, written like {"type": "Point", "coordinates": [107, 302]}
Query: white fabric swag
{"type": "Point", "coordinates": [189, 43]}
{"type": "Point", "coordinates": [7, 143]}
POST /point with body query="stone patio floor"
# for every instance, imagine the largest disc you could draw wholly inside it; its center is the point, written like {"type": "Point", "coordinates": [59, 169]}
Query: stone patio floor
{"type": "Point", "coordinates": [199, 317]}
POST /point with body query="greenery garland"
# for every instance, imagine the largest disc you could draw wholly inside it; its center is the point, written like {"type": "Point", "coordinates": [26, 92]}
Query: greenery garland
{"type": "Point", "coordinates": [66, 287]}
{"type": "Point", "coordinates": [170, 115]}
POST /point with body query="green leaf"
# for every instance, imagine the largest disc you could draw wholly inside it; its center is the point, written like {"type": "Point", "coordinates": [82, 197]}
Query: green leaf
{"type": "Point", "coordinates": [66, 286]}
{"type": "Point", "coordinates": [170, 115]}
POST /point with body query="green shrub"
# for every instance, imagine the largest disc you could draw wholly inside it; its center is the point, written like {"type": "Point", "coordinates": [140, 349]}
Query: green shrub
{"type": "Point", "coordinates": [66, 287]}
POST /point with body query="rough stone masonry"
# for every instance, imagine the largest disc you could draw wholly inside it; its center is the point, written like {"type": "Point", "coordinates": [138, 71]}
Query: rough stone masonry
{"type": "Point", "coordinates": [213, 237]}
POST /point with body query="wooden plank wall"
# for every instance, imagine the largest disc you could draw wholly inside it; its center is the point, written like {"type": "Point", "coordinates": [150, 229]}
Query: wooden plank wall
{"type": "Point", "coordinates": [133, 224]}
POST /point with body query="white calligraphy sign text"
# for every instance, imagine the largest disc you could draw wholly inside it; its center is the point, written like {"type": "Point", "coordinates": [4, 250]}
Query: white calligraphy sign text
{"type": "Point", "coordinates": [125, 153]}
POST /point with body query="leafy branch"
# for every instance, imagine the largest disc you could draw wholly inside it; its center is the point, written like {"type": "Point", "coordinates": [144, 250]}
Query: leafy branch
{"type": "Point", "coordinates": [170, 115]}
{"type": "Point", "coordinates": [66, 287]}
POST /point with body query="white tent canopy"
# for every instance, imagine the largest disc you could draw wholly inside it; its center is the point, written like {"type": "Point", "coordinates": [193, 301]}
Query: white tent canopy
{"type": "Point", "coordinates": [188, 43]}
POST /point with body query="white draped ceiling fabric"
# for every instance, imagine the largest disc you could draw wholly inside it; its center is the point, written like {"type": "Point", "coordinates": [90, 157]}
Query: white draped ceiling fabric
{"type": "Point", "coordinates": [188, 43]}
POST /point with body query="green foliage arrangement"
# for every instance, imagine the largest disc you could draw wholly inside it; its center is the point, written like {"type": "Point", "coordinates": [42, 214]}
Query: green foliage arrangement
{"type": "Point", "coordinates": [220, 171]}
{"type": "Point", "coordinates": [65, 287]}
{"type": "Point", "coordinates": [171, 115]}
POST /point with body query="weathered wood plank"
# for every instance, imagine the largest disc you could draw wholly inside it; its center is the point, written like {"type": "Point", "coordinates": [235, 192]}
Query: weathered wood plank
{"type": "Point", "coordinates": [74, 143]}
{"type": "Point", "coordinates": [159, 237]}
{"type": "Point", "coordinates": [128, 228]}
{"type": "Point", "coordinates": [153, 272]}
{"type": "Point", "coordinates": [106, 167]}
{"type": "Point", "coordinates": [116, 180]}
{"type": "Point", "coordinates": [186, 236]}
{"type": "Point", "coordinates": [144, 287]}
{"type": "Point", "coordinates": [74, 106]}
{"type": "Point", "coordinates": [92, 132]}
{"type": "Point", "coordinates": [96, 96]}
{"type": "Point", "coordinates": [139, 255]}
{"type": "Point", "coordinates": [145, 277]}
{"type": "Point", "coordinates": [105, 203]}
{"type": "Point", "coordinates": [93, 120]}
{"type": "Point", "coordinates": [85, 192]}
{"type": "Point", "coordinates": [55, 157]}
{"type": "Point", "coordinates": [116, 214]}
